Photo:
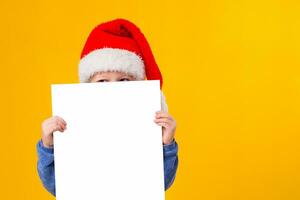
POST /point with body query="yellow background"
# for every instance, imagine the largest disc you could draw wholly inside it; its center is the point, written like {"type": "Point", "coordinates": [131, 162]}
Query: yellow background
{"type": "Point", "coordinates": [231, 71]}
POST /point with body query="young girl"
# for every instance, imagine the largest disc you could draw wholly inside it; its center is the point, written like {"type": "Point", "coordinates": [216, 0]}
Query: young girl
{"type": "Point", "coordinates": [114, 51]}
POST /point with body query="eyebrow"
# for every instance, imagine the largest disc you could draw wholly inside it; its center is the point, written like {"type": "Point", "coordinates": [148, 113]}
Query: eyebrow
{"type": "Point", "coordinates": [101, 76]}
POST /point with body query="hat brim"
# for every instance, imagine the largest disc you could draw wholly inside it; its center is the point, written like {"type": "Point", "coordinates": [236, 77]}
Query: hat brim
{"type": "Point", "coordinates": [111, 59]}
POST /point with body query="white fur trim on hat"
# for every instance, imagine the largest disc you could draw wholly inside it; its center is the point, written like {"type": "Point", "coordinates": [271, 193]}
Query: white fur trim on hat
{"type": "Point", "coordinates": [164, 106]}
{"type": "Point", "coordinates": [111, 59]}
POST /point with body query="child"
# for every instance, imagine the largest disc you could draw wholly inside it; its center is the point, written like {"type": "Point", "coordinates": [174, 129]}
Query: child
{"type": "Point", "coordinates": [114, 51]}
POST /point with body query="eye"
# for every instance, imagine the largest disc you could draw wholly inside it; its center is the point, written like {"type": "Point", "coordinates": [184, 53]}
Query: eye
{"type": "Point", "coordinates": [102, 80]}
{"type": "Point", "coordinates": [124, 79]}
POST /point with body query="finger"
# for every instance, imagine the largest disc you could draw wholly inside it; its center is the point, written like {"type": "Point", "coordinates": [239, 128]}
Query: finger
{"type": "Point", "coordinates": [60, 119]}
{"type": "Point", "coordinates": [61, 125]}
{"type": "Point", "coordinates": [162, 114]}
{"type": "Point", "coordinates": [58, 128]}
{"type": "Point", "coordinates": [165, 120]}
{"type": "Point", "coordinates": [163, 124]}
{"type": "Point", "coordinates": [63, 122]}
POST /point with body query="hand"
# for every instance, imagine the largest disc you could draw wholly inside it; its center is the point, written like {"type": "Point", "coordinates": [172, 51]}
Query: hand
{"type": "Point", "coordinates": [50, 125]}
{"type": "Point", "coordinates": [168, 126]}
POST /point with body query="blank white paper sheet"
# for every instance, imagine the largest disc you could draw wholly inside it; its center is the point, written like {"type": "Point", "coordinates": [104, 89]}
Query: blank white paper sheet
{"type": "Point", "coordinates": [111, 149]}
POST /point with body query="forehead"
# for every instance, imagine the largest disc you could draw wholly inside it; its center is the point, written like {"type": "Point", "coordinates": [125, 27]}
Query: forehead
{"type": "Point", "coordinates": [111, 74]}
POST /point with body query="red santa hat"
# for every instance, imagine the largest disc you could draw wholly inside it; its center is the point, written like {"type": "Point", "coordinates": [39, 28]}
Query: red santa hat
{"type": "Point", "coordinates": [119, 45]}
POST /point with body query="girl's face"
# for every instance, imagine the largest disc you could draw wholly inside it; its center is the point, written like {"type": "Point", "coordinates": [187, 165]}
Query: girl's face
{"type": "Point", "coordinates": [110, 77]}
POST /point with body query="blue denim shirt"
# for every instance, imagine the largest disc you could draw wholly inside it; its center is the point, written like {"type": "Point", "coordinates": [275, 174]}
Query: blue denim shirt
{"type": "Point", "coordinates": [46, 173]}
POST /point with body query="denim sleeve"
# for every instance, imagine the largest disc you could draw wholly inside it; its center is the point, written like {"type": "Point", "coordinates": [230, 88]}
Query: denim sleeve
{"type": "Point", "coordinates": [170, 163]}
{"type": "Point", "coordinates": [45, 166]}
